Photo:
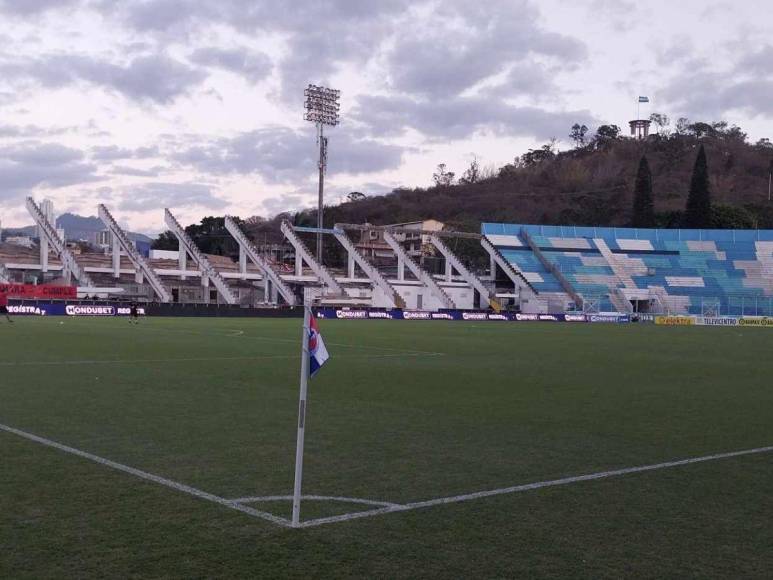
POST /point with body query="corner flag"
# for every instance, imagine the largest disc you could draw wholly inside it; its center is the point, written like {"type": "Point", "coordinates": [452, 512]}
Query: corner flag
{"type": "Point", "coordinates": [313, 356]}
{"type": "Point", "coordinates": [644, 99]}
{"type": "Point", "coordinates": [318, 354]}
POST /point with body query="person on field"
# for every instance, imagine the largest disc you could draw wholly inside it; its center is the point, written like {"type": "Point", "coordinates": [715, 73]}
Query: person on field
{"type": "Point", "coordinates": [4, 306]}
{"type": "Point", "coordinates": [134, 313]}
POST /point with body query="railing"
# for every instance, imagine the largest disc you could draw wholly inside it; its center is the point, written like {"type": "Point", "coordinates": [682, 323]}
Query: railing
{"type": "Point", "coordinates": [551, 267]}
{"type": "Point", "coordinates": [619, 300]}
{"type": "Point", "coordinates": [69, 262]}
{"type": "Point", "coordinates": [516, 276]}
{"type": "Point", "coordinates": [738, 305]}
{"type": "Point", "coordinates": [199, 258]}
{"type": "Point", "coordinates": [425, 278]}
{"type": "Point", "coordinates": [134, 256]}
{"type": "Point", "coordinates": [267, 267]}
{"type": "Point", "coordinates": [471, 278]}
{"type": "Point", "coordinates": [303, 250]}
{"type": "Point", "coordinates": [370, 270]}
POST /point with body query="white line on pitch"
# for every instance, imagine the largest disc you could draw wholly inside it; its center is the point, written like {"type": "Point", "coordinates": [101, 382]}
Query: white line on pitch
{"type": "Point", "coordinates": [532, 486]}
{"type": "Point", "coordinates": [149, 476]}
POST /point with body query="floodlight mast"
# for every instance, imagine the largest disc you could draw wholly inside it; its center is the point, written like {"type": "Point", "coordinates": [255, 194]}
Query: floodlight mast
{"type": "Point", "coordinates": [321, 109]}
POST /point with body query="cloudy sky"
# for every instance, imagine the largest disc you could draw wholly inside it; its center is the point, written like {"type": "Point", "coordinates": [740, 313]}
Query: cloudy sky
{"type": "Point", "coordinates": [144, 104]}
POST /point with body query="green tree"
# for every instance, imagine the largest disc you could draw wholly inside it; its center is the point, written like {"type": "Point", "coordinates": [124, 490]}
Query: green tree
{"type": "Point", "coordinates": [698, 212]}
{"type": "Point", "coordinates": [472, 174]}
{"type": "Point", "coordinates": [605, 136]}
{"type": "Point", "coordinates": [577, 134]}
{"type": "Point", "coordinates": [643, 204]}
{"type": "Point", "coordinates": [443, 178]}
{"type": "Point", "coordinates": [728, 217]}
{"type": "Point", "coordinates": [662, 122]}
{"type": "Point", "coordinates": [165, 241]}
{"type": "Point", "coordinates": [211, 237]}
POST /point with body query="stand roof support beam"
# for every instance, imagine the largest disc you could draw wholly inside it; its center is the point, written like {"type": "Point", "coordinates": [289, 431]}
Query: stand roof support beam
{"type": "Point", "coordinates": [137, 260]}
{"type": "Point", "coordinates": [60, 247]}
{"type": "Point", "coordinates": [207, 271]}
{"type": "Point", "coordinates": [265, 266]}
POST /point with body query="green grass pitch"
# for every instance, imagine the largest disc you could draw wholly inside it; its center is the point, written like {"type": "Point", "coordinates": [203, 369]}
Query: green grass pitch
{"type": "Point", "coordinates": [403, 412]}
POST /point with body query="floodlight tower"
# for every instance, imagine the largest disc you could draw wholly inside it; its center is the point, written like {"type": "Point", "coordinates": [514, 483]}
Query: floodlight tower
{"type": "Point", "coordinates": [321, 109]}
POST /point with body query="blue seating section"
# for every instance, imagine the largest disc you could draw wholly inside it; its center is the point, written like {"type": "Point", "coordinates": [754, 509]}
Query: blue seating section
{"type": "Point", "coordinates": [702, 266]}
{"type": "Point", "coordinates": [525, 261]}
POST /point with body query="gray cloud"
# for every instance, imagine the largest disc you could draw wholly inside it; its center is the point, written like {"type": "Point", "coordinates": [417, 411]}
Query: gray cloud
{"type": "Point", "coordinates": [29, 131]}
{"type": "Point", "coordinates": [158, 195]}
{"type": "Point", "coordinates": [446, 58]}
{"type": "Point", "coordinates": [436, 48]}
{"type": "Point", "coordinates": [678, 49]}
{"type": "Point", "coordinates": [703, 92]}
{"type": "Point", "coordinates": [253, 66]}
{"type": "Point", "coordinates": [458, 118]}
{"type": "Point", "coordinates": [280, 154]}
{"type": "Point", "coordinates": [157, 78]}
{"type": "Point", "coordinates": [31, 7]}
{"type": "Point", "coordinates": [759, 62]}
{"type": "Point", "coordinates": [524, 79]}
{"type": "Point", "coordinates": [27, 165]}
{"type": "Point", "coordinates": [289, 202]}
{"type": "Point", "coordinates": [713, 95]}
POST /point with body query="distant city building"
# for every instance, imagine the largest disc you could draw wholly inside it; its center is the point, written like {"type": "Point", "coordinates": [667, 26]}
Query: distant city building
{"type": "Point", "coordinates": [24, 241]}
{"type": "Point", "coordinates": [164, 254]}
{"type": "Point", "coordinates": [103, 239]}
{"type": "Point", "coordinates": [47, 209]}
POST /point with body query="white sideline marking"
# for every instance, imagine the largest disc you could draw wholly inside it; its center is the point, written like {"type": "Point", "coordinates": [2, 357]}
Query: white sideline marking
{"type": "Point", "coordinates": [531, 486]}
{"type": "Point", "coordinates": [388, 507]}
{"type": "Point", "coordinates": [316, 497]}
{"type": "Point", "coordinates": [149, 476]}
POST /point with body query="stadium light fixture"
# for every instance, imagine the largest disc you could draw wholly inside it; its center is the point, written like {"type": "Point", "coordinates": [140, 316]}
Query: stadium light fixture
{"type": "Point", "coordinates": [322, 108]}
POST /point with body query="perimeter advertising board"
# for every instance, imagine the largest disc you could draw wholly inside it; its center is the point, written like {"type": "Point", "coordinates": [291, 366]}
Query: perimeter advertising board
{"type": "Point", "coordinates": [675, 320]}
{"type": "Point", "coordinates": [760, 321]}
{"type": "Point", "coordinates": [61, 309]}
{"type": "Point", "coordinates": [32, 291]}
{"type": "Point", "coordinates": [396, 314]}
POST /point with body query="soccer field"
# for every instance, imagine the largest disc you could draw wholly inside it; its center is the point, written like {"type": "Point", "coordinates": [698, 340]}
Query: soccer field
{"type": "Point", "coordinates": [124, 449]}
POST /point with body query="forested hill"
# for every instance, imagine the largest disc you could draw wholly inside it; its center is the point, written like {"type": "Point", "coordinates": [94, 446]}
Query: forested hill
{"type": "Point", "coordinates": [590, 185]}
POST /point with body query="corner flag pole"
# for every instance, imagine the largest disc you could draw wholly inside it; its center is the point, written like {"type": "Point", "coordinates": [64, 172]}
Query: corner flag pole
{"type": "Point", "coordinates": [301, 416]}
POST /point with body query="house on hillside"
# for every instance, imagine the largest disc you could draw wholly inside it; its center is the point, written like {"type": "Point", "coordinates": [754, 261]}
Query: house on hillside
{"type": "Point", "coordinates": [372, 245]}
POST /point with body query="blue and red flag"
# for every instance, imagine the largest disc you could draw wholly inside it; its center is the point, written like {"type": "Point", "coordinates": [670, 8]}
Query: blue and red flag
{"type": "Point", "coordinates": [318, 354]}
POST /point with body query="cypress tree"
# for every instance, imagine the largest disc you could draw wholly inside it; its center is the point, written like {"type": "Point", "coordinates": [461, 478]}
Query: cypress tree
{"type": "Point", "coordinates": [643, 204]}
{"type": "Point", "coordinates": [698, 214]}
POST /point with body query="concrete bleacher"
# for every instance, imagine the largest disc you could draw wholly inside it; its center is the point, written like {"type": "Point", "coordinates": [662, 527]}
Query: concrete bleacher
{"type": "Point", "coordinates": [681, 271]}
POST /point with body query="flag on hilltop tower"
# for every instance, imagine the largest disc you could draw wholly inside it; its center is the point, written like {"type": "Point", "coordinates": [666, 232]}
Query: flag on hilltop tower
{"type": "Point", "coordinates": [644, 99]}
{"type": "Point", "coordinates": [318, 354]}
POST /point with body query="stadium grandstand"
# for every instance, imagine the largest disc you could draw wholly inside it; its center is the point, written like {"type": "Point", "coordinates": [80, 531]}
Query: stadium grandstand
{"type": "Point", "coordinates": [676, 271]}
{"type": "Point", "coordinates": [531, 268]}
